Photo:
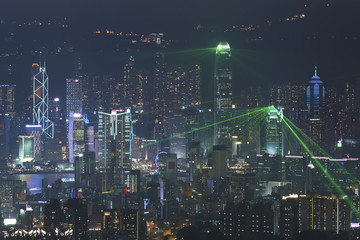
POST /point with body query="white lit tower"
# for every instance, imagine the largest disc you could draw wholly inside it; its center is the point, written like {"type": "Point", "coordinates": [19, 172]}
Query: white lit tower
{"type": "Point", "coordinates": [223, 91]}
{"type": "Point", "coordinates": [115, 139]}
{"type": "Point", "coordinates": [40, 102]}
{"type": "Point", "coordinates": [274, 132]}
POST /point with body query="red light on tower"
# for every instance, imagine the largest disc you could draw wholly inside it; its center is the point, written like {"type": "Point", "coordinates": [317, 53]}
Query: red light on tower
{"type": "Point", "coordinates": [127, 190]}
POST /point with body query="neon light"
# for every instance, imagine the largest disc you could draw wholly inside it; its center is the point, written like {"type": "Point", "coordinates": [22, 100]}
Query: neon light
{"type": "Point", "coordinates": [32, 126]}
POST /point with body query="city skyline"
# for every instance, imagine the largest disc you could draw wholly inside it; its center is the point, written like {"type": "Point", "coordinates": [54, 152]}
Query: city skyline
{"type": "Point", "coordinates": [180, 120]}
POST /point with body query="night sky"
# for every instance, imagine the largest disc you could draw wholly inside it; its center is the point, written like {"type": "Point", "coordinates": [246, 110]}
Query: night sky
{"type": "Point", "coordinates": [328, 37]}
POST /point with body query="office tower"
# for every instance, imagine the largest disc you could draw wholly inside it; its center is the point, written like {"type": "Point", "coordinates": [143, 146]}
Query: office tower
{"type": "Point", "coordinates": [174, 124]}
{"type": "Point", "coordinates": [124, 222]}
{"type": "Point", "coordinates": [56, 115]}
{"type": "Point", "coordinates": [5, 154]}
{"type": "Point", "coordinates": [76, 135]}
{"type": "Point", "coordinates": [159, 95]}
{"type": "Point", "coordinates": [167, 165]}
{"type": "Point", "coordinates": [315, 100]}
{"type": "Point", "coordinates": [35, 132]}
{"type": "Point", "coordinates": [7, 99]}
{"type": "Point", "coordinates": [115, 135]}
{"type": "Point", "coordinates": [74, 96]}
{"type": "Point", "coordinates": [41, 103]}
{"type": "Point", "coordinates": [90, 139]}
{"type": "Point", "coordinates": [133, 180]}
{"type": "Point", "coordinates": [196, 160]}
{"type": "Point", "coordinates": [79, 171]}
{"type": "Point", "coordinates": [274, 132]}
{"type": "Point", "coordinates": [130, 83]}
{"type": "Point", "coordinates": [26, 148]}
{"type": "Point", "coordinates": [193, 84]}
{"type": "Point", "coordinates": [218, 161]}
{"type": "Point", "coordinates": [223, 92]}
{"type": "Point", "coordinates": [90, 91]}
{"type": "Point", "coordinates": [89, 169]}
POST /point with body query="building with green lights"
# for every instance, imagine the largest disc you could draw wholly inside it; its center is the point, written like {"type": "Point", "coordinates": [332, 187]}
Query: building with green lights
{"type": "Point", "coordinates": [223, 91]}
{"type": "Point", "coordinates": [26, 148]}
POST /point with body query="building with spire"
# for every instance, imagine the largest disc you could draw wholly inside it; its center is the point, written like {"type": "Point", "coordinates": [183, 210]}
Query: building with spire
{"type": "Point", "coordinates": [315, 100]}
{"type": "Point", "coordinates": [223, 91]}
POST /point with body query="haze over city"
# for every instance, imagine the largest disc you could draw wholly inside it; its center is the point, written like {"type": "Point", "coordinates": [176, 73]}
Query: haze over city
{"type": "Point", "coordinates": [179, 119]}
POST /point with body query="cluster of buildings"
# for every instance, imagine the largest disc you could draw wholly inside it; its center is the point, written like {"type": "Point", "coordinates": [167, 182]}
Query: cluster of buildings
{"type": "Point", "coordinates": [148, 158]}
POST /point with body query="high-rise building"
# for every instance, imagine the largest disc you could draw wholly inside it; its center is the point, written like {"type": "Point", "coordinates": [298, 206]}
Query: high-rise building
{"type": "Point", "coordinates": [223, 91]}
{"type": "Point", "coordinates": [174, 124]}
{"type": "Point", "coordinates": [26, 148]}
{"type": "Point", "coordinates": [5, 153]}
{"type": "Point", "coordinates": [89, 169]}
{"type": "Point", "coordinates": [56, 115]}
{"type": "Point", "coordinates": [115, 136]}
{"type": "Point", "coordinates": [167, 165]}
{"type": "Point", "coordinates": [196, 159]}
{"type": "Point", "coordinates": [218, 160]}
{"type": "Point", "coordinates": [315, 100]}
{"type": "Point", "coordinates": [274, 132]}
{"type": "Point", "coordinates": [7, 99]}
{"type": "Point", "coordinates": [74, 96]}
{"type": "Point", "coordinates": [35, 131]}
{"type": "Point", "coordinates": [76, 135]}
{"type": "Point", "coordinates": [41, 103]}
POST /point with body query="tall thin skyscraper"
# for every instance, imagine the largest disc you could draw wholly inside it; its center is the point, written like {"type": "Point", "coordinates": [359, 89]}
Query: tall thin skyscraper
{"type": "Point", "coordinates": [41, 102]}
{"type": "Point", "coordinates": [223, 90]}
{"type": "Point", "coordinates": [315, 100]}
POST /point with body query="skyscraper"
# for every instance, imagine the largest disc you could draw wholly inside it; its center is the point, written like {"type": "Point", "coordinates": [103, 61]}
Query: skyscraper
{"type": "Point", "coordinates": [5, 154]}
{"type": "Point", "coordinates": [7, 99]}
{"type": "Point", "coordinates": [315, 100]}
{"type": "Point", "coordinates": [115, 137]}
{"type": "Point", "coordinates": [73, 96]}
{"type": "Point", "coordinates": [41, 103]}
{"type": "Point", "coordinates": [274, 132]}
{"type": "Point", "coordinates": [223, 91]}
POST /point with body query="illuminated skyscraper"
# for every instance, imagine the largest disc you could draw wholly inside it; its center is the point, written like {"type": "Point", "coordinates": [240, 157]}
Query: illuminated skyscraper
{"type": "Point", "coordinates": [73, 96]}
{"type": "Point", "coordinates": [35, 131]}
{"type": "Point", "coordinates": [315, 100]}
{"type": "Point", "coordinates": [41, 102]}
{"type": "Point", "coordinates": [76, 135]}
{"type": "Point", "coordinates": [26, 148]}
{"type": "Point", "coordinates": [274, 132]}
{"type": "Point", "coordinates": [115, 136]}
{"type": "Point", "coordinates": [223, 91]}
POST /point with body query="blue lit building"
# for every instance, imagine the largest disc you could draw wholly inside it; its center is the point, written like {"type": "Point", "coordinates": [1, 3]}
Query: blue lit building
{"type": "Point", "coordinates": [315, 97]}
{"type": "Point", "coordinates": [315, 100]}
